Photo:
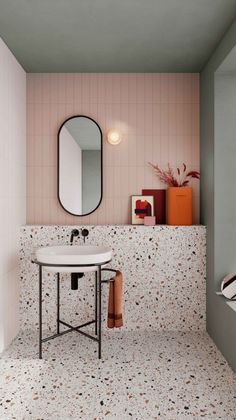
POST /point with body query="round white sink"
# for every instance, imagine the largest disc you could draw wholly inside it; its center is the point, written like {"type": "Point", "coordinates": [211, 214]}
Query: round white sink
{"type": "Point", "coordinates": [81, 255]}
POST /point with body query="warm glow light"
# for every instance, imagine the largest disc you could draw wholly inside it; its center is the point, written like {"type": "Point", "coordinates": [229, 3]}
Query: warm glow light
{"type": "Point", "coordinates": [114, 137]}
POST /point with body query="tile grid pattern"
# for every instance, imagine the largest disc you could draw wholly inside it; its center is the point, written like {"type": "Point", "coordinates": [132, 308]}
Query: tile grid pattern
{"type": "Point", "coordinates": [164, 277]}
{"type": "Point", "coordinates": [156, 113]}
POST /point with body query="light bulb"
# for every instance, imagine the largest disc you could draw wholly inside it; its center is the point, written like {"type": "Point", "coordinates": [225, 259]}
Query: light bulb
{"type": "Point", "coordinates": [113, 137]}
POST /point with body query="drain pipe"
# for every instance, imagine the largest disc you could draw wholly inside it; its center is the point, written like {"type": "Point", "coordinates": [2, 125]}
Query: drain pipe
{"type": "Point", "coordinates": [75, 280]}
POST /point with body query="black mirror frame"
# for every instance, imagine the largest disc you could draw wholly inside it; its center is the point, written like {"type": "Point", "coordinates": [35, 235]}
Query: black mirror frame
{"type": "Point", "coordinates": [58, 165]}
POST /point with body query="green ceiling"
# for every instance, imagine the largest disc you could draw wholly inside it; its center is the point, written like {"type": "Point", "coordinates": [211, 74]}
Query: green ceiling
{"type": "Point", "coordinates": [114, 35]}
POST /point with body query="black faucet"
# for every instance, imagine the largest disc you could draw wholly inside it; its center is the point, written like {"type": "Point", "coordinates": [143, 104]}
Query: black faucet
{"type": "Point", "coordinates": [74, 233]}
{"type": "Point", "coordinates": [84, 233]}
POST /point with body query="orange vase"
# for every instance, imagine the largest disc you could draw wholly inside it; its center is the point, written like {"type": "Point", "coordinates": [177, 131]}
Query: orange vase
{"type": "Point", "coordinates": [179, 206]}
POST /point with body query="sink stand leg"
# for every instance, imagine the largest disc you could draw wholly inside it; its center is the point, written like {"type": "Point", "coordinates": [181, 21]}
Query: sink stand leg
{"type": "Point", "coordinates": [40, 312]}
{"type": "Point", "coordinates": [96, 302]}
{"type": "Point", "coordinates": [58, 303]}
{"type": "Point", "coordinates": [99, 313]}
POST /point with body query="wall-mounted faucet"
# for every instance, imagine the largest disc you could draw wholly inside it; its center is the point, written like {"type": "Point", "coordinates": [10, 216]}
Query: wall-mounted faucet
{"type": "Point", "coordinates": [74, 233]}
{"type": "Point", "coordinates": [85, 233]}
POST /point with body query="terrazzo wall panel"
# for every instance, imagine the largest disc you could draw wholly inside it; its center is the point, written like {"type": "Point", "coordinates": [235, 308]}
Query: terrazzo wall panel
{"type": "Point", "coordinates": [157, 115]}
{"type": "Point", "coordinates": [163, 268]}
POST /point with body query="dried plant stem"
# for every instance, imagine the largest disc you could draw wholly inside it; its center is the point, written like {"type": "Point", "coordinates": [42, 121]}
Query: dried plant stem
{"type": "Point", "coordinates": [168, 176]}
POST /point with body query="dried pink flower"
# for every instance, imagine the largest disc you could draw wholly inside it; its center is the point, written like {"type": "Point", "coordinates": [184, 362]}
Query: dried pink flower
{"type": "Point", "coordinates": [168, 177]}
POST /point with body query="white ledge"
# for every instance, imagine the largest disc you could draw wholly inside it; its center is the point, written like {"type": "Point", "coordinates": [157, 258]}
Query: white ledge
{"type": "Point", "coordinates": [230, 303]}
{"type": "Point", "coordinates": [117, 226]}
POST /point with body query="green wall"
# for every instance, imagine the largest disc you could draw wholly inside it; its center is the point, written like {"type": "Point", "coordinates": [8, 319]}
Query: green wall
{"type": "Point", "coordinates": [221, 319]}
{"type": "Point", "coordinates": [225, 174]}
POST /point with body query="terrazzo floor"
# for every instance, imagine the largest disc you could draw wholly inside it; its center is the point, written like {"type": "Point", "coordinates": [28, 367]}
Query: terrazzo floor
{"type": "Point", "coordinates": [143, 375]}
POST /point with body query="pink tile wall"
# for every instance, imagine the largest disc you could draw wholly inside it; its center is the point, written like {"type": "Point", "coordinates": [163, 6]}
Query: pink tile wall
{"type": "Point", "coordinates": [157, 114]}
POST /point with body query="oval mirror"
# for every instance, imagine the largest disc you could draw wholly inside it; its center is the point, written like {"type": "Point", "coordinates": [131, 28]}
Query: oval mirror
{"type": "Point", "coordinates": [80, 165]}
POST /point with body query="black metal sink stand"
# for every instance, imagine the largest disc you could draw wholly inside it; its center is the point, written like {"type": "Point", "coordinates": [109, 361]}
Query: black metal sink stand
{"type": "Point", "coordinates": [97, 309]}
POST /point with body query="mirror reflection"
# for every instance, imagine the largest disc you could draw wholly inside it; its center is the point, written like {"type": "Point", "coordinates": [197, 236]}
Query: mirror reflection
{"type": "Point", "coordinates": [80, 165]}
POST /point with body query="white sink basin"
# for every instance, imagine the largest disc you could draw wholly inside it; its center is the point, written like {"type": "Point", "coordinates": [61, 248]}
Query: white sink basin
{"type": "Point", "coordinates": [81, 255]}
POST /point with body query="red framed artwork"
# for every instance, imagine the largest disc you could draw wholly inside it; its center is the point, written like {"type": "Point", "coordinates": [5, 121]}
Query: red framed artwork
{"type": "Point", "coordinates": [141, 206]}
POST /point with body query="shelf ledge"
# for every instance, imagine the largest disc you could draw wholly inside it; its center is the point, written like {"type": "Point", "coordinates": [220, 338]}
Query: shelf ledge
{"type": "Point", "coordinates": [230, 303]}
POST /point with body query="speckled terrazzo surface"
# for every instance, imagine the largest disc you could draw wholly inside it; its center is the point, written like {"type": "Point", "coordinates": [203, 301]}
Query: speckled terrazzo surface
{"type": "Point", "coordinates": [143, 375]}
{"type": "Point", "coordinates": [164, 277]}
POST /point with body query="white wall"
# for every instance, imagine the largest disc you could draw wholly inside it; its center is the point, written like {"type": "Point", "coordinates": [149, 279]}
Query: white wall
{"type": "Point", "coordinates": [70, 173]}
{"type": "Point", "coordinates": [12, 187]}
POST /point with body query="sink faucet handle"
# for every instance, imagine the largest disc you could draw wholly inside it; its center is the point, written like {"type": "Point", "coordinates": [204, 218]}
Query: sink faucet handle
{"type": "Point", "coordinates": [85, 233]}
{"type": "Point", "coordinates": [74, 233]}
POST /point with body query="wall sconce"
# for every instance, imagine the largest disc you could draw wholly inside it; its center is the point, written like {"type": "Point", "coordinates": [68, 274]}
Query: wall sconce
{"type": "Point", "coordinates": [113, 137]}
